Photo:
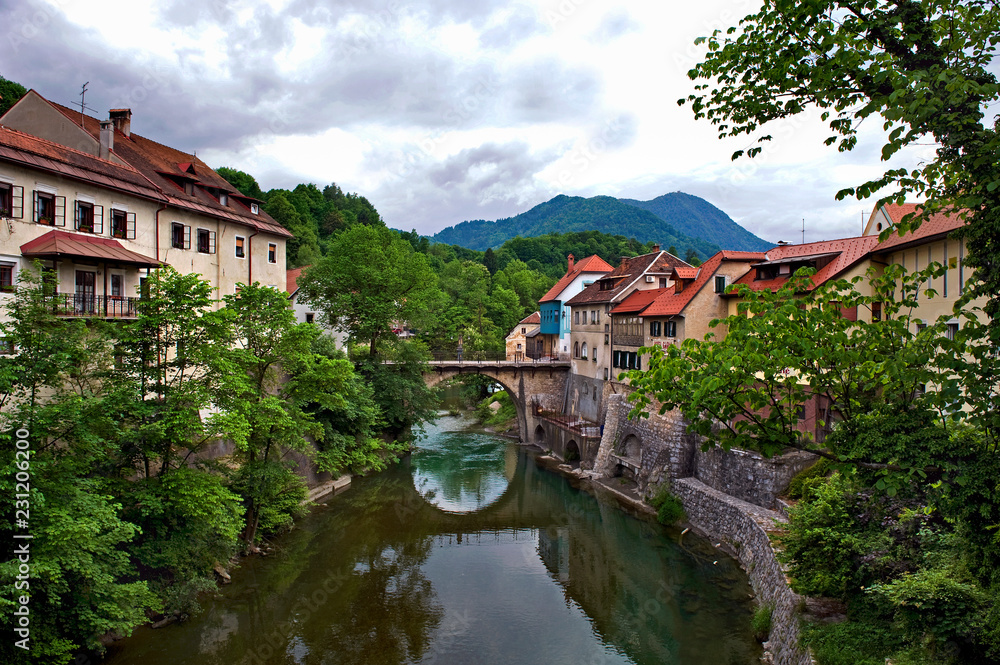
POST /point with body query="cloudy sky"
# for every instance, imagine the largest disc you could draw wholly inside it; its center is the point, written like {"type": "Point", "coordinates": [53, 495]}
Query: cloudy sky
{"type": "Point", "coordinates": [437, 110]}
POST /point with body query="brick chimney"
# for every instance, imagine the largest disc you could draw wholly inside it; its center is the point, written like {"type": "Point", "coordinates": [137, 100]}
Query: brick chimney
{"type": "Point", "coordinates": [569, 261]}
{"type": "Point", "coordinates": [107, 139]}
{"type": "Point", "coordinates": [656, 247]}
{"type": "Point", "coordinates": [123, 120]}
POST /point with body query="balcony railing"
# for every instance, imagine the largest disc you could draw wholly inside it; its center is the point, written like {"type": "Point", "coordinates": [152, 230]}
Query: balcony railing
{"type": "Point", "coordinates": [109, 307]}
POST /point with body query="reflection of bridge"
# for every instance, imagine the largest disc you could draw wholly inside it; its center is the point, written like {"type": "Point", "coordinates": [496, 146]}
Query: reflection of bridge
{"type": "Point", "coordinates": [533, 386]}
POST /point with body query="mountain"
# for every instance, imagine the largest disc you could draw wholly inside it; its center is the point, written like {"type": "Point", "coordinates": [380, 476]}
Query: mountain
{"type": "Point", "coordinates": [699, 218]}
{"type": "Point", "coordinates": [573, 213]}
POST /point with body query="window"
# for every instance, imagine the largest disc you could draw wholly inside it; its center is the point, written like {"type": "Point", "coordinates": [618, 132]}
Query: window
{"type": "Point", "coordinates": [50, 209]}
{"type": "Point", "coordinates": [524, 330]}
{"type": "Point", "coordinates": [206, 241]}
{"type": "Point", "coordinates": [89, 217]}
{"type": "Point", "coordinates": [670, 329]}
{"type": "Point", "coordinates": [254, 208]}
{"type": "Point", "coordinates": [607, 340]}
{"type": "Point", "coordinates": [876, 311]}
{"type": "Point", "coordinates": [310, 317]}
{"type": "Point", "coordinates": [518, 347]}
{"type": "Point", "coordinates": [6, 277]}
{"type": "Point", "coordinates": [655, 328]}
{"type": "Point", "coordinates": [272, 253]}
{"type": "Point", "coordinates": [239, 247]}
{"type": "Point", "coordinates": [663, 282]}
{"type": "Point", "coordinates": [593, 316]}
{"type": "Point", "coordinates": [721, 281]}
{"type": "Point", "coordinates": [180, 236]}
{"type": "Point", "coordinates": [605, 373]}
{"type": "Point", "coordinates": [583, 355]}
{"type": "Point", "coordinates": [576, 349]}
{"type": "Point", "coordinates": [576, 318]}
{"type": "Point", "coordinates": [122, 224]}
{"type": "Point", "coordinates": [117, 286]}
{"type": "Point", "coordinates": [952, 330]}
{"type": "Point", "coordinates": [224, 198]}
{"type": "Point", "coordinates": [11, 201]}
{"type": "Point", "coordinates": [594, 357]}
{"type": "Point", "coordinates": [6, 346]}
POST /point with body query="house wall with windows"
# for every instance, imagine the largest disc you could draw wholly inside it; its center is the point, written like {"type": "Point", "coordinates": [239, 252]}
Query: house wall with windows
{"type": "Point", "coordinates": [590, 327]}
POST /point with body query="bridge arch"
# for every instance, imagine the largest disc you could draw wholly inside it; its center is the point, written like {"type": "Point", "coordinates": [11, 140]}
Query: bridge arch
{"type": "Point", "coordinates": [533, 387]}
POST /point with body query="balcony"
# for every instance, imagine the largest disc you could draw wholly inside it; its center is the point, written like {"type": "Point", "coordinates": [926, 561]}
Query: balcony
{"type": "Point", "coordinates": [107, 307]}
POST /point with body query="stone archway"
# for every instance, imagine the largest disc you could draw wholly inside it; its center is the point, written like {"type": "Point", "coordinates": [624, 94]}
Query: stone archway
{"type": "Point", "coordinates": [539, 434]}
{"type": "Point", "coordinates": [572, 451]}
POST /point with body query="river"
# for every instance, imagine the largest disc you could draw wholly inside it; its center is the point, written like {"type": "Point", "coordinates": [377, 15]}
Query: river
{"type": "Point", "coordinates": [469, 552]}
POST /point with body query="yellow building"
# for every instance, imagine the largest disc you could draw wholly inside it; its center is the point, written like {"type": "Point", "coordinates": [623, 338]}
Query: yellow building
{"type": "Point", "coordinates": [524, 341]}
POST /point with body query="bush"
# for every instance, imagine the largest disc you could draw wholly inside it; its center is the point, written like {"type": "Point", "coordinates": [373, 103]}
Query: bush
{"type": "Point", "coordinates": [800, 486]}
{"type": "Point", "coordinates": [669, 508]}
{"type": "Point", "coordinates": [760, 623]}
{"type": "Point", "coordinates": [504, 414]}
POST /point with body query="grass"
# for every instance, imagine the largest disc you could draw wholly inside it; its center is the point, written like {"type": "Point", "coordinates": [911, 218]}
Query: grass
{"type": "Point", "coordinates": [760, 623]}
{"type": "Point", "coordinates": [669, 508]}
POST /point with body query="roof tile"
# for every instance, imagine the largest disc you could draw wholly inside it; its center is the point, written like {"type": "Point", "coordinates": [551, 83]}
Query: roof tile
{"type": "Point", "coordinates": [592, 263]}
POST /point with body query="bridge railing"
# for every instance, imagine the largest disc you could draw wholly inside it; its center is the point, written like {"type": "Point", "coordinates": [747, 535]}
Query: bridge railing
{"type": "Point", "coordinates": [490, 358]}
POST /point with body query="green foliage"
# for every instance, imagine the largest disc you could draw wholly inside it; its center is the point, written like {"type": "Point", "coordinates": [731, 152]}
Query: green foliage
{"type": "Point", "coordinates": [923, 69]}
{"type": "Point", "coordinates": [10, 93]}
{"type": "Point", "coordinates": [669, 508]}
{"type": "Point", "coordinates": [852, 643]}
{"type": "Point", "coordinates": [502, 416]}
{"type": "Point", "coordinates": [760, 622]}
{"type": "Point", "coordinates": [801, 485]}
{"type": "Point", "coordinates": [371, 282]}
{"type": "Point", "coordinates": [572, 213]}
{"type": "Point", "coordinates": [399, 388]}
{"type": "Point", "coordinates": [244, 182]}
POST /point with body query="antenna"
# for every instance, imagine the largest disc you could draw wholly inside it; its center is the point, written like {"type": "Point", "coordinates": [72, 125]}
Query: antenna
{"type": "Point", "coordinates": [803, 230]}
{"type": "Point", "coordinates": [83, 98]}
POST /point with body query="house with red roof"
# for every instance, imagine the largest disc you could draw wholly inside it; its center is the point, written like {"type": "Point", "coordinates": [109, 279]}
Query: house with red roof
{"type": "Point", "coordinates": [591, 323]}
{"type": "Point", "coordinates": [305, 313]}
{"type": "Point", "coordinates": [99, 206]}
{"type": "Point", "coordinates": [933, 241]}
{"type": "Point", "coordinates": [554, 329]}
{"type": "Point", "coordinates": [524, 340]}
{"type": "Point", "coordinates": [666, 316]}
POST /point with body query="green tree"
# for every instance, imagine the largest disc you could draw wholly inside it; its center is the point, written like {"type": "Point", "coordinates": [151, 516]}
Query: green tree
{"type": "Point", "coordinates": [371, 282]}
{"type": "Point", "coordinates": [243, 182]}
{"type": "Point", "coordinates": [10, 93]}
{"type": "Point", "coordinates": [490, 261]}
{"type": "Point", "coordinates": [922, 67]}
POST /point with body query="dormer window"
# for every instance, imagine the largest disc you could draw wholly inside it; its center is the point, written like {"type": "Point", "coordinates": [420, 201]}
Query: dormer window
{"type": "Point", "coordinates": [224, 198]}
{"type": "Point", "coordinates": [254, 208]}
{"type": "Point", "coordinates": [189, 188]}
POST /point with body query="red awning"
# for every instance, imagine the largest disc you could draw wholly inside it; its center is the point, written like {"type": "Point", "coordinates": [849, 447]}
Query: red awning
{"type": "Point", "coordinates": [63, 244]}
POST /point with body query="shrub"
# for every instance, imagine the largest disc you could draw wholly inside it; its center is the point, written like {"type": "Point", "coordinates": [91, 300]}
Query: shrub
{"type": "Point", "coordinates": [669, 508]}
{"type": "Point", "coordinates": [760, 623]}
{"type": "Point", "coordinates": [800, 486]}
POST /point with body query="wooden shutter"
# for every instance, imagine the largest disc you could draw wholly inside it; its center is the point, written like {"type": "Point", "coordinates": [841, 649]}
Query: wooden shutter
{"type": "Point", "coordinates": [187, 237]}
{"type": "Point", "coordinates": [130, 226]}
{"type": "Point", "coordinates": [98, 219]}
{"type": "Point", "coordinates": [76, 215]}
{"type": "Point", "coordinates": [60, 215]}
{"type": "Point", "coordinates": [211, 242]}
{"type": "Point", "coordinates": [17, 202]}
{"type": "Point", "coordinates": [34, 206]}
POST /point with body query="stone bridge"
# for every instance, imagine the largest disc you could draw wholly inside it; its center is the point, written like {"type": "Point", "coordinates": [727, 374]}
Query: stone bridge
{"type": "Point", "coordinates": [532, 386]}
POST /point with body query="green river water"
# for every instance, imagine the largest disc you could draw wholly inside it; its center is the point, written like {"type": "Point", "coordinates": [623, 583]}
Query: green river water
{"type": "Point", "coordinates": [469, 552]}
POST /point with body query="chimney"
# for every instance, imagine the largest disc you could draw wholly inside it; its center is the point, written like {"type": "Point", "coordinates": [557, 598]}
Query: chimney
{"type": "Point", "coordinates": [569, 261]}
{"type": "Point", "coordinates": [656, 247]}
{"type": "Point", "coordinates": [107, 139]}
{"type": "Point", "coordinates": [123, 120]}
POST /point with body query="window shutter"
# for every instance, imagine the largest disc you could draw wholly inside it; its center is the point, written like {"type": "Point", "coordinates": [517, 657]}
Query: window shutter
{"type": "Point", "coordinates": [187, 237]}
{"type": "Point", "coordinates": [130, 226]}
{"type": "Point", "coordinates": [76, 215]}
{"type": "Point", "coordinates": [34, 206]}
{"type": "Point", "coordinates": [211, 242]}
{"type": "Point", "coordinates": [60, 219]}
{"type": "Point", "coordinates": [98, 219]}
{"type": "Point", "coordinates": [17, 202]}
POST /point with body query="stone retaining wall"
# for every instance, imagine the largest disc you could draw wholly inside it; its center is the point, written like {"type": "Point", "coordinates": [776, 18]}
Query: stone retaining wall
{"type": "Point", "coordinates": [744, 527]}
{"type": "Point", "coordinates": [748, 475]}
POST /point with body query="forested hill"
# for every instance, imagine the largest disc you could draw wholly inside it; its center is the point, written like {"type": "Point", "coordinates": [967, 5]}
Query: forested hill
{"type": "Point", "coordinates": [697, 217]}
{"type": "Point", "coordinates": [565, 214]}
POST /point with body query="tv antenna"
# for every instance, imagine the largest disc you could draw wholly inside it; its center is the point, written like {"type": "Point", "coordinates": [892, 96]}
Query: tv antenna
{"type": "Point", "coordinates": [83, 105]}
{"type": "Point", "coordinates": [803, 230]}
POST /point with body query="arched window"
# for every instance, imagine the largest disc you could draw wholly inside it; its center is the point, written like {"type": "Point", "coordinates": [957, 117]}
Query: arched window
{"type": "Point", "coordinates": [584, 355]}
{"type": "Point", "coordinates": [576, 349]}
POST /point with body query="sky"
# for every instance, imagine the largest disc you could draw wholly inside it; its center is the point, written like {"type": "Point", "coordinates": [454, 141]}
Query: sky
{"type": "Point", "coordinates": [440, 111]}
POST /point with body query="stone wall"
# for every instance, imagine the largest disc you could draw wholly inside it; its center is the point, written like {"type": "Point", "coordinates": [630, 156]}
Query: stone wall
{"type": "Point", "coordinates": [748, 475]}
{"type": "Point", "coordinates": [584, 397]}
{"type": "Point", "coordinates": [744, 527]}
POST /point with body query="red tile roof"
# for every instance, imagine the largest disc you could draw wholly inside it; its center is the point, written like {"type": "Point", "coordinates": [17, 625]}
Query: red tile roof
{"type": "Point", "coordinates": [292, 280]}
{"type": "Point", "coordinates": [63, 243]}
{"type": "Point", "coordinates": [686, 273]}
{"type": "Point", "coordinates": [625, 275]}
{"type": "Point", "coordinates": [639, 300]}
{"type": "Point", "coordinates": [592, 263]}
{"type": "Point", "coordinates": [157, 162]}
{"type": "Point", "coordinates": [532, 319]}
{"type": "Point", "coordinates": [940, 224]}
{"type": "Point", "coordinates": [672, 304]}
{"type": "Point", "coordinates": [846, 253]}
{"type": "Point", "coordinates": [37, 153]}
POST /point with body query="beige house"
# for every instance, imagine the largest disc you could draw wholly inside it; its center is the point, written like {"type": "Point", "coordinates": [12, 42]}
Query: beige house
{"type": "Point", "coordinates": [100, 206]}
{"type": "Point", "coordinates": [668, 316]}
{"type": "Point", "coordinates": [524, 341]}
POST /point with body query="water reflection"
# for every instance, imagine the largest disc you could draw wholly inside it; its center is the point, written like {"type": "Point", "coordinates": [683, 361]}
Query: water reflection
{"type": "Point", "coordinates": [538, 572]}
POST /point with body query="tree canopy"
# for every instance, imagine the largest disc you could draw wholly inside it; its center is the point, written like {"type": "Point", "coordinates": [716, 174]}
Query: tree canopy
{"type": "Point", "coordinates": [921, 67]}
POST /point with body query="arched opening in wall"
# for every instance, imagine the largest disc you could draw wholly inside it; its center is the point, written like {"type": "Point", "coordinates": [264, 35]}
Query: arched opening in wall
{"type": "Point", "coordinates": [624, 472]}
{"type": "Point", "coordinates": [572, 451]}
{"type": "Point", "coordinates": [631, 448]}
{"type": "Point", "coordinates": [539, 434]}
